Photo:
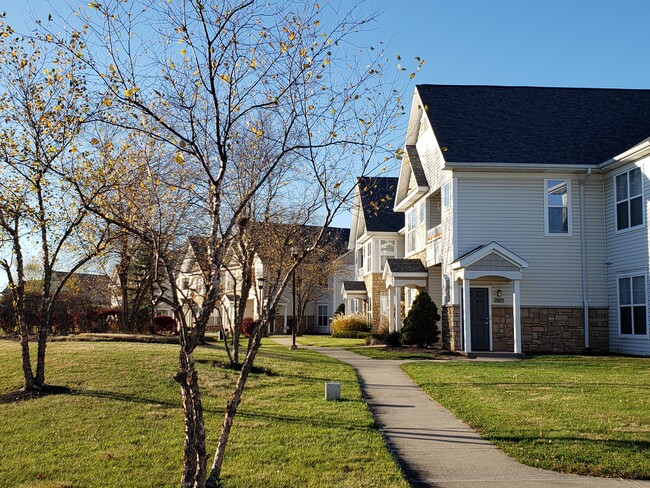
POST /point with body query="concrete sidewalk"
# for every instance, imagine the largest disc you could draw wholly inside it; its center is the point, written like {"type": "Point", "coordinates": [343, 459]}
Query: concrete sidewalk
{"type": "Point", "coordinates": [433, 447]}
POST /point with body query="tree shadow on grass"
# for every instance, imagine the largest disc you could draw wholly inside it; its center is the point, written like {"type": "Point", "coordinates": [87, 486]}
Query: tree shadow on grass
{"type": "Point", "coordinates": [23, 394]}
{"type": "Point", "coordinates": [292, 419]}
{"type": "Point", "coordinates": [226, 365]}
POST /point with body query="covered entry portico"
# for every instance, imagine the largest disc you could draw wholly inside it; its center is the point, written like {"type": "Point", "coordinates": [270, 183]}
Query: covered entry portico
{"type": "Point", "coordinates": [398, 274]}
{"type": "Point", "coordinates": [490, 260]}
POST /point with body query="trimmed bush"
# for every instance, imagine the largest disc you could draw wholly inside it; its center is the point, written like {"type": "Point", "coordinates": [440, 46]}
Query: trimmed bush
{"type": "Point", "coordinates": [248, 325]}
{"type": "Point", "coordinates": [351, 334]}
{"type": "Point", "coordinates": [356, 321]}
{"type": "Point", "coordinates": [420, 324]}
{"type": "Point", "coordinates": [391, 339]}
{"type": "Point", "coordinates": [164, 325]}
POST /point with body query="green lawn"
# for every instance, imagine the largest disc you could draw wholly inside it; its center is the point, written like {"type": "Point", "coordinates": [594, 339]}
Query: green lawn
{"type": "Point", "coordinates": [328, 341]}
{"type": "Point", "coordinates": [584, 415]}
{"type": "Point", "coordinates": [383, 353]}
{"type": "Point", "coordinates": [123, 425]}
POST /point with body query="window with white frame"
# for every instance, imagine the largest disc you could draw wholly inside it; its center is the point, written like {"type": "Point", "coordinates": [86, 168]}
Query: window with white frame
{"type": "Point", "coordinates": [386, 250]}
{"type": "Point", "coordinates": [323, 315]}
{"type": "Point", "coordinates": [629, 199]}
{"type": "Point", "coordinates": [446, 195]}
{"type": "Point", "coordinates": [632, 308]}
{"type": "Point", "coordinates": [367, 256]}
{"type": "Point", "coordinates": [360, 258]}
{"type": "Point", "coordinates": [415, 224]}
{"type": "Point", "coordinates": [558, 206]}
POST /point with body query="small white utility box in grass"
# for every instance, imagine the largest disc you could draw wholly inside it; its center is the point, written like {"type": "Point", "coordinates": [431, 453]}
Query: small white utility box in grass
{"type": "Point", "coordinates": [332, 390]}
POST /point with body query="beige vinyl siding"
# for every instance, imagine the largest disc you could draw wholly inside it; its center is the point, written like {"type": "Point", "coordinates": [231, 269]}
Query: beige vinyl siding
{"type": "Point", "coordinates": [509, 209]}
{"type": "Point", "coordinates": [627, 253]}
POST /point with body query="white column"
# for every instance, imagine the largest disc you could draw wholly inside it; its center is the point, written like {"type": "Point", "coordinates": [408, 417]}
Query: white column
{"type": "Point", "coordinates": [391, 311]}
{"type": "Point", "coordinates": [398, 308]}
{"type": "Point", "coordinates": [467, 317]}
{"type": "Point", "coordinates": [285, 327]}
{"type": "Point", "coordinates": [516, 315]}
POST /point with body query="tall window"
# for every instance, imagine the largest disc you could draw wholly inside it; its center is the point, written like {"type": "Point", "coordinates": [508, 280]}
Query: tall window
{"type": "Point", "coordinates": [629, 199]}
{"type": "Point", "coordinates": [386, 250]}
{"type": "Point", "coordinates": [367, 255]}
{"type": "Point", "coordinates": [323, 315]}
{"type": "Point", "coordinates": [446, 195]}
{"type": "Point", "coordinates": [360, 258]}
{"type": "Point", "coordinates": [632, 316]}
{"type": "Point", "coordinates": [558, 206]}
{"type": "Point", "coordinates": [415, 223]}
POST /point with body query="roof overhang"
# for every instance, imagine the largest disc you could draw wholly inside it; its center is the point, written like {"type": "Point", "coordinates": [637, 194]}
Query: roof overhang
{"type": "Point", "coordinates": [640, 150]}
{"type": "Point", "coordinates": [410, 278]}
{"type": "Point", "coordinates": [464, 267]}
{"type": "Point", "coordinates": [412, 197]}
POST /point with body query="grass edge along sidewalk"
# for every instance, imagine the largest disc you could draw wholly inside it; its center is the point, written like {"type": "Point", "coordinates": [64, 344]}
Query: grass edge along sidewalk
{"type": "Point", "coordinates": [573, 414]}
{"type": "Point", "coordinates": [123, 420]}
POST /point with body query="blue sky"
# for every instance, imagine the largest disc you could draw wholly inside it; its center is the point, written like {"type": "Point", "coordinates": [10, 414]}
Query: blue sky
{"type": "Point", "coordinates": [577, 43]}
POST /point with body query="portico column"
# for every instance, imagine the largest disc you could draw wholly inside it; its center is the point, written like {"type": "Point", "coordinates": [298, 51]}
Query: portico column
{"type": "Point", "coordinates": [285, 329]}
{"type": "Point", "coordinates": [398, 308]}
{"type": "Point", "coordinates": [516, 315]}
{"type": "Point", "coordinates": [467, 317]}
{"type": "Point", "coordinates": [391, 313]}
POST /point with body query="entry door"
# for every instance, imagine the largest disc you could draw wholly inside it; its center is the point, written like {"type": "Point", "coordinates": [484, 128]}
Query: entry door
{"type": "Point", "coordinates": [480, 318]}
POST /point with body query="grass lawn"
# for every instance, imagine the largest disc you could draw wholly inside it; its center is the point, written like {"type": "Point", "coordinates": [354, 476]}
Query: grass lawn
{"type": "Point", "coordinates": [384, 353]}
{"type": "Point", "coordinates": [583, 415]}
{"type": "Point", "coordinates": [123, 426]}
{"type": "Point", "coordinates": [328, 341]}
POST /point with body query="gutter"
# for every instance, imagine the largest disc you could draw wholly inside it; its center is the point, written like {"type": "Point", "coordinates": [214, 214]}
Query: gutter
{"type": "Point", "coordinates": [583, 257]}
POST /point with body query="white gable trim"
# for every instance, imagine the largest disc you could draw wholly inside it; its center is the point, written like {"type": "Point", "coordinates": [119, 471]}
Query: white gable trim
{"type": "Point", "coordinates": [492, 247]}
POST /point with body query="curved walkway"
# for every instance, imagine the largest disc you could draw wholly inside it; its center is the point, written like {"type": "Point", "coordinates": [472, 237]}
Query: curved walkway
{"type": "Point", "coordinates": [432, 446]}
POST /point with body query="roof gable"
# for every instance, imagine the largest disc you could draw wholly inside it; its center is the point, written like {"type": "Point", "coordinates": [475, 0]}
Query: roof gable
{"type": "Point", "coordinates": [377, 197]}
{"type": "Point", "coordinates": [534, 125]}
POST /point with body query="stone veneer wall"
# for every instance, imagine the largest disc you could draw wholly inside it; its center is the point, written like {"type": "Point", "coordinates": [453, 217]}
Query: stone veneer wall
{"type": "Point", "coordinates": [450, 327]}
{"type": "Point", "coordinates": [376, 289]}
{"type": "Point", "coordinates": [555, 330]}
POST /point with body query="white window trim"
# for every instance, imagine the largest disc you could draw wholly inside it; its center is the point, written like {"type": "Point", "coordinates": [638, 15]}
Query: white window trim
{"type": "Point", "coordinates": [319, 315]}
{"type": "Point", "coordinates": [631, 336]}
{"type": "Point", "coordinates": [643, 209]}
{"type": "Point", "coordinates": [367, 257]}
{"type": "Point", "coordinates": [569, 232]}
{"type": "Point", "coordinates": [446, 195]}
{"type": "Point", "coordinates": [387, 256]}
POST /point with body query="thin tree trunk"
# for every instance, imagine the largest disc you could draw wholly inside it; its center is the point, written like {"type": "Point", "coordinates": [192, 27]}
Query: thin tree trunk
{"type": "Point", "coordinates": [194, 453]}
{"type": "Point", "coordinates": [231, 408]}
{"type": "Point", "coordinates": [40, 358]}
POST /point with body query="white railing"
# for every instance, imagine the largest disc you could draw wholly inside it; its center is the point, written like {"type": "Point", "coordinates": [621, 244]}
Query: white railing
{"type": "Point", "coordinates": [434, 233]}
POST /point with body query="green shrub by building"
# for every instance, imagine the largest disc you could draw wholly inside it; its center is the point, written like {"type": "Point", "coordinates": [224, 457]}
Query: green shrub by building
{"type": "Point", "coordinates": [420, 325]}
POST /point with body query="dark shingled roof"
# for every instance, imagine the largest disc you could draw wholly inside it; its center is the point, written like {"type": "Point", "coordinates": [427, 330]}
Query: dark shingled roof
{"type": "Point", "coordinates": [507, 124]}
{"type": "Point", "coordinates": [377, 200]}
{"type": "Point", "coordinates": [406, 266]}
{"type": "Point", "coordinates": [354, 286]}
{"type": "Point", "coordinates": [416, 166]}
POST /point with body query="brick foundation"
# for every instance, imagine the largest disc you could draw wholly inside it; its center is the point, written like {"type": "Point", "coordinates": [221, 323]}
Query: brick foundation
{"type": "Point", "coordinates": [543, 329]}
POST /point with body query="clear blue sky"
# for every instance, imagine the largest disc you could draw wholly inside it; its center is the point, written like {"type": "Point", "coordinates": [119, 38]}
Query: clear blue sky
{"type": "Point", "coordinates": [579, 43]}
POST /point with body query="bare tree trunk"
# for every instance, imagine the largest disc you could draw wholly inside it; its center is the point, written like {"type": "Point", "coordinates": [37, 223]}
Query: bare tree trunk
{"type": "Point", "coordinates": [42, 344]}
{"type": "Point", "coordinates": [194, 454]}
{"type": "Point", "coordinates": [233, 403]}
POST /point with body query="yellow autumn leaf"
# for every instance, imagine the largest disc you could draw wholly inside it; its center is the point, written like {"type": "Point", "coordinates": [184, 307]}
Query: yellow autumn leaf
{"type": "Point", "coordinates": [283, 46]}
{"type": "Point", "coordinates": [107, 102]}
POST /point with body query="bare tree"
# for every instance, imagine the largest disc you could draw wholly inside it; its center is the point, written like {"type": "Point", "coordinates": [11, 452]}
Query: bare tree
{"type": "Point", "coordinates": [43, 110]}
{"type": "Point", "coordinates": [201, 78]}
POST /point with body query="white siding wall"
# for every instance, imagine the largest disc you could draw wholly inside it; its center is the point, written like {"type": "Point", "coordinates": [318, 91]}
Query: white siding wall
{"type": "Point", "coordinates": [627, 252]}
{"type": "Point", "coordinates": [509, 209]}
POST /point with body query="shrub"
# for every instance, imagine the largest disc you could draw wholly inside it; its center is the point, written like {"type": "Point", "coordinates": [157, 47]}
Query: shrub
{"type": "Point", "coordinates": [391, 339]}
{"type": "Point", "coordinates": [351, 334]}
{"type": "Point", "coordinates": [164, 325]}
{"type": "Point", "coordinates": [248, 325]}
{"type": "Point", "coordinates": [420, 323]}
{"type": "Point", "coordinates": [355, 321]}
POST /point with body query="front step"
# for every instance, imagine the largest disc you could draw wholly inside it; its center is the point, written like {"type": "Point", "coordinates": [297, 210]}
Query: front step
{"type": "Point", "coordinates": [492, 355]}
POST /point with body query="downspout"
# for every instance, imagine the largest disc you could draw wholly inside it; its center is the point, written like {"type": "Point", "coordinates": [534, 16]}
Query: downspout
{"type": "Point", "coordinates": [583, 257]}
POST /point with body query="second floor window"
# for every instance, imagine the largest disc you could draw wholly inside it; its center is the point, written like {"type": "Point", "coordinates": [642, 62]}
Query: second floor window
{"type": "Point", "coordinates": [387, 250]}
{"type": "Point", "coordinates": [367, 254]}
{"type": "Point", "coordinates": [415, 223]}
{"type": "Point", "coordinates": [629, 199]}
{"type": "Point", "coordinates": [558, 206]}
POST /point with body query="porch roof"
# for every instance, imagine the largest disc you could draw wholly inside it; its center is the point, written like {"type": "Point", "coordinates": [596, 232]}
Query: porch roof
{"type": "Point", "coordinates": [405, 272]}
{"type": "Point", "coordinates": [491, 259]}
{"type": "Point", "coordinates": [354, 289]}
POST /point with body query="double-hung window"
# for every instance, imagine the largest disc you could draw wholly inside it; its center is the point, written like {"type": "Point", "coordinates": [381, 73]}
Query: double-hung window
{"type": "Point", "coordinates": [558, 207]}
{"type": "Point", "coordinates": [367, 255]}
{"type": "Point", "coordinates": [632, 307]}
{"type": "Point", "coordinates": [386, 250]}
{"type": "Point", "coordinates": [629, 199]}
{"type": "Point", "coordinates": [323, 315]}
